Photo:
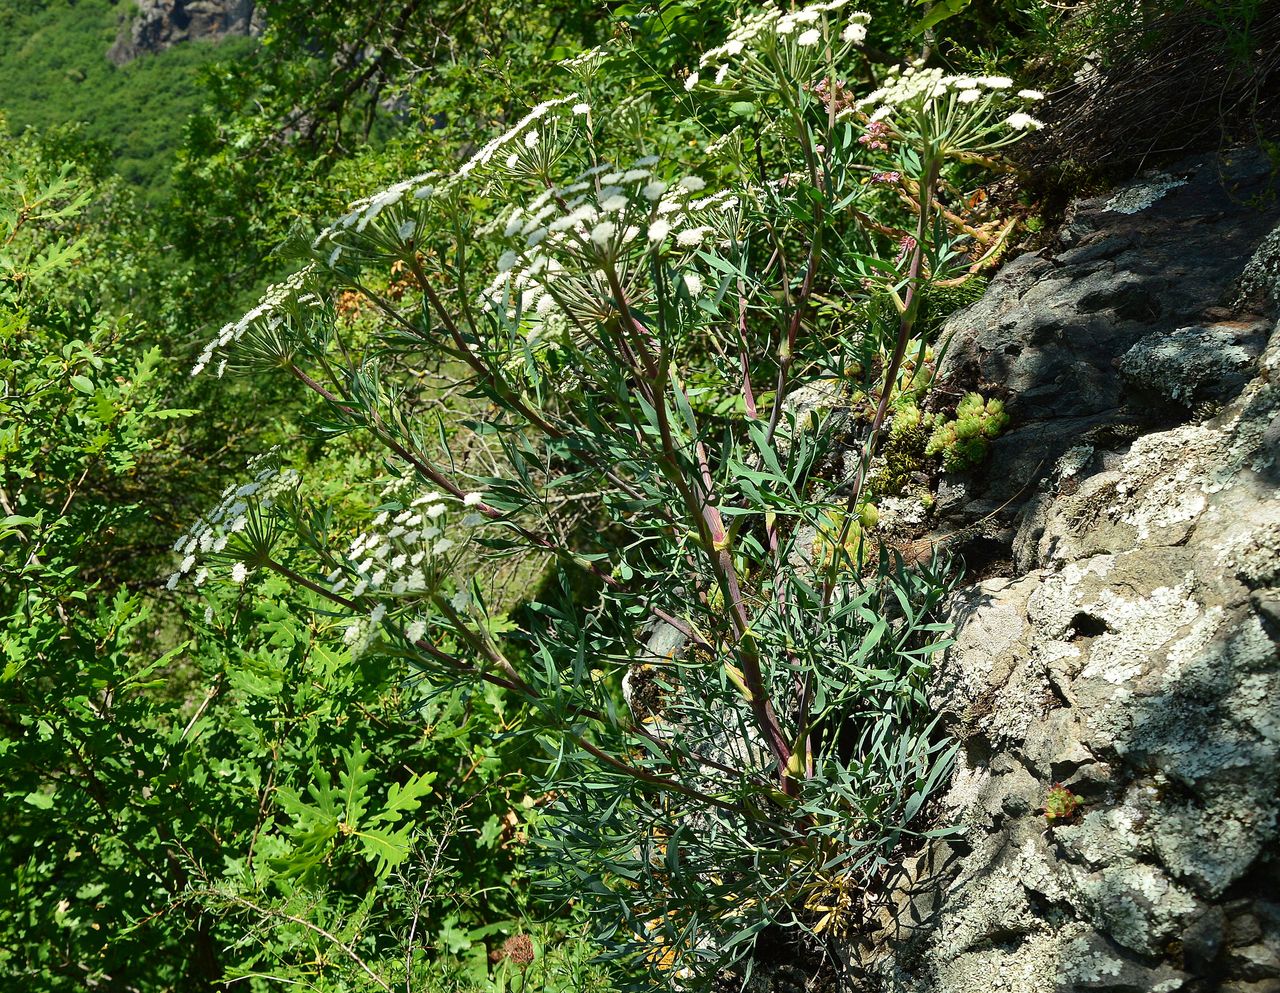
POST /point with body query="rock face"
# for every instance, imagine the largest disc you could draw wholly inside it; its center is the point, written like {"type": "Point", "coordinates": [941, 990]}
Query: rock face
{"type": "Point", "coordinates": [1133, 654]}
{"type": "Point", "coordinates": [1084, 336]}
{"type": "Point", "coordinates": [160, 24]}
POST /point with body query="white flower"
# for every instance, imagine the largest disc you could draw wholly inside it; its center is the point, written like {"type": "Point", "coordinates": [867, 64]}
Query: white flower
{"type": "Point", "coordinates": [692, 183]}
{"type": "Point", "coordinates": [810, 37]}
{"type": "Point", "coordinates": [855, 33]}
{"type": "Point", "coordinates": [692, 237]}
{"type": "Point", "coordinates": [239, 573]}
{"type": "Point", "coordinates": [693, 283]}
{"type": "Point", "coordinates": [721, 73]}
{"type": "Point", "coordinates": [614, 203]}
{"type": "Point", "coordinates": [1023, 122]}
{"type": "Point", "coordinates": [582, 108]}
{"type": "Point", "coordinates": [460, 601]}
{"type": "Point", "coordinates": [473, 499]}
{"type": "Point", "coordinates": [506, 261]}
{"type": "Point", "coordinates": [379, 612]}
{"type": "Point", "coordinates": [1031, 94]}
{"type": "Point", "coordinates": [416, 630]}
{"type": "Point", "coordinates": [969, 96]}
{"type": "Point", "coordinates": [472, 520]}
{"type": "Point", "coordinates": [603, 232]}
{"type": "Point", "coordinates": [691, 81]}
{"type": "Point", "coordinates": [654, 190]}
{"type": "Point", "coordinates": [659, 229]}
{"type": "Point", "coordinates": [531, 139]}
{"type": "Point", "coordinates": [435, 510]}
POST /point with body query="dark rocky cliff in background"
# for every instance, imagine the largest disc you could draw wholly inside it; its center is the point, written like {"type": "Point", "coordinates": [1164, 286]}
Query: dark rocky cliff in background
{"type": "Point", "coordinates": [1127, 643]}
{"type": "Point", "coordinates": [160, 24]}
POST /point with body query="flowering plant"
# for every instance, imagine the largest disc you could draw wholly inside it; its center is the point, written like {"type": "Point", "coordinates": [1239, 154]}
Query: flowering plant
{"type": "Point", "coordinates": [734, 727]}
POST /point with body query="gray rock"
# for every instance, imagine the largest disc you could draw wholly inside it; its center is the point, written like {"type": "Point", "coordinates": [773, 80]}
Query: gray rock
{"type": "Point", "coordinates": [1259, 284]}
{"type": "Point", "coordinates": [1137, 659]}
{"type": "Point", "coordinates": [1196, 363]}
{"type": "Point", "coordinates": [1141, 265]}
{"type": "Point", "coordinates": [161, 24]}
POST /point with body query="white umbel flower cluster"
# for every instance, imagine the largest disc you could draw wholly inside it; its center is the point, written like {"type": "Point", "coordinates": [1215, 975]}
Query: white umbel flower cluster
{"type": "Point", "coordinates": [917, 91]}
{"type": "Point", "coordinates": [291, 297]}
{"type": "Point", "coordinates": [392, 221]}
{"type": "Point", "coordinates": [233, 516]}
{"type": "Point", "coordinates": [803, 36]}
{"type": "Point", "coordinates": [404, 553]}
{"type": "Point", "coordinates": [568, 239]}
{"type": "Point", "coordinates": [393, 226]}
{"type": "Point", "coordinates": [585, 64]}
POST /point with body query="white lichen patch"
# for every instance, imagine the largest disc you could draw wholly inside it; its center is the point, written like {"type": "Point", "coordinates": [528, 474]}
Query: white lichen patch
{"type": "Point", "coordinates": [1139, 907]}
{"type": "Point", "coordinates": [1192, 646]}
{"type": "Point", "coordinates": [901, 512]}
{"type": "Point", "coordinates": [1253, 553]}
{"type": "Point", "coordinates": [1058, 597]}
{"type": "Point", "coordinates": [1212, 848]}
{"type": "Point", "coordinates": [968, 785]}
{"type": "Point", "coordinates": [1137, 197]}
{"type": "Point", "coordinates": [1072, 461]}
{"type": "Point", "coordinates": [1086, 963]}
{"type": "Point", "coordinates": [1177, 365]}
{"type": "Point", "coordinates": [1261, 275]}
{"type": "Point", "coordinates": [1106, 835]}
{"type": "Point", "coordinates": [1160, 483]}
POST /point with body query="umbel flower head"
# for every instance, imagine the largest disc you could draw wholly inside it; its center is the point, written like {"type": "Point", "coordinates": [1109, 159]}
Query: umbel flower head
{"type": "Point", "coordinates": [239, 527]}
{"type": "Point", "coordinates": [951, 113]}
{"type": "Point", "coordinates": [290, 302]}
{"type": "Point", "coordinates": [769, 43]}
{"type": "Point", "coordinates": [389, 224]}
{"type": "Point", "coordinates": [570, 242]}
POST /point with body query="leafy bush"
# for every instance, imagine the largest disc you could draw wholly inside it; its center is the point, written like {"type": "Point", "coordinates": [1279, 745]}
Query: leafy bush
{"type": "Point", "coordinates": [735, 734]}
{"type": "Point", "coordinates": [192, 799]}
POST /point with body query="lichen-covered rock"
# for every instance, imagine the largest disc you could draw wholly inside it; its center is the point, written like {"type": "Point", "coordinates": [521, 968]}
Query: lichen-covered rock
{"type": "Point", "coordinates": [1195, 364]}
{"type": "Point", "coordinates": [1259, 284]}
{"type": "Point", "coordinates": [1137, 664]}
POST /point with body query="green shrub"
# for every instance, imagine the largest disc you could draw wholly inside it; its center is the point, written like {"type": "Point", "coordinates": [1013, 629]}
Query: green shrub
{"type": "Point", "coordinates": [636, 337]}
